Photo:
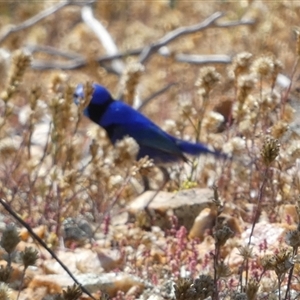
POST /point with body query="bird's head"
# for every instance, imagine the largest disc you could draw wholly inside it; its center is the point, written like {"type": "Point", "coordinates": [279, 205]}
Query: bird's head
{"type": "Point", "coordinates": [100, 94]}
{"type": "Point", "coordinates": [101, 99]}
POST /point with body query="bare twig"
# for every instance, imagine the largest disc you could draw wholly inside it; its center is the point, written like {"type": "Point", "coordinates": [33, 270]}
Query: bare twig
{"type": "Point", "coordinates": [49, 65]}
{"type": "Point", "coordinates": [235, 23]}
{"type": "Point", "coordinates": [203, 59]}
{"type": "Point", "coordinates": [76, 61]}
{"type": "Point", "coordinates": [44, 245]}
{"type": "Point", "coordinates": [145, 52]}
{"type": "Point", "coordinates": [51, 51]}
{"type": "Point", "coordinates": [40, 16]}
{"type": "Point", "coordinates": [103, 35]}
{"type": "Point", "coordinates": [170, 36]}
{"type": "Point", "coordinates": [157, 93]}
{"type": "Point", "coordinates": [79, 62]}
{"type": "Point", "coordinates": [106, 58]}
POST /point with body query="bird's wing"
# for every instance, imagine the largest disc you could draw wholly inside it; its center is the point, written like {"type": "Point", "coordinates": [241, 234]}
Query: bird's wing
{"type": "Point", "coordinates": [147, 135]}
{"type": "Point", "coordinates": [120, 120]}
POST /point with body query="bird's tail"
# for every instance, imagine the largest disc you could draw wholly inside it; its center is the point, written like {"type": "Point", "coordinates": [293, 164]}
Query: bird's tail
{"type": "Point", "coordinates": [198, 149]}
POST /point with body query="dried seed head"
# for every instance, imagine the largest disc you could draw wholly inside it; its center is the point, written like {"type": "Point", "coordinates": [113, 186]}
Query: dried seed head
{"type": "Point", "coordinates": [283, 262]}
{"type": "Point", "coordinates": [5, 273]}
{"type": "Point", "coordinates": [280, 262]}
{"type": "Point", "coordinates": [279, 129]}
{"type": "Point", "coordinates": [183, 289]}
{"type": "Point", "coordinates": [204, 286]}
{"type": "Point", "coordinates": [126, 150]}
{"type": "Point", "coordinates": [20, 62]}
{"type": "Point", "coordinates": [212, 121]}
{"type": "Point", "coordinates": [269, 101]}
{"type": "Point", "coordinates": [236, 145]}
{"type": "Point", "coordinates": [263, 66]}
{"type": "Point", "coordinates": [207, 79]}
{"type": "Point", "coordinates": [10, 238]}
{"type": "Point", "coordinates": [29, 257]}
{"type": "Point", "coordinates": [57, 83]}
{"type": "Point", "coordinates": [222, 235]}
{"type": "Point", "coordinates": [146, 162]}
{"type": "Point", "coordinates": [4, 291]}
{"type": "Point", "coordinates": [223, 270]}
{"type": "Point", "coordinates": [270, 150]}
{"type": "Point", "coordinates": [252, 289]}
{"type": "Point", "coordinates": [288, 114]}
{"type": "Point", "coordinates": [268, 262]}
{"type": "Point", "coordinates": [130, 80]}
{"type": "Point", "coordinates": [72, 293]}
{"type": "Point", "coordinates": [186, 111]}
{"type": "Point", "coordinates": [246, 252]}
{"type": "Point", "coordinates": [241, 63]}
{"type": "Point", "coordinates": [245, 85]}
{"type": "Point", "coordinates": [8, 146]}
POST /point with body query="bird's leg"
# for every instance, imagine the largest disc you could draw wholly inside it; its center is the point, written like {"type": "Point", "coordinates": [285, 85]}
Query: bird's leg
{"type": "Point", "coordinates": [146, 183]}
{"type": "Point", "coordinates": [166, 178]}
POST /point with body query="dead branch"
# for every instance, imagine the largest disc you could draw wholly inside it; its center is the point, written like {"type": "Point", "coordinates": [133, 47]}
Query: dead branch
{"type": "Point", "coordinates": [203, 59]}
{"type": "Point", "coordinates": [103, 35]}
{"type": "Point", "coordinates": [154, 95]}
{"type": "Point", "coordinates": [170, 36]}
{"type": "Point", "coordinates": [79, 62]}
{"type": "Point", "coordinates": [51, 51]}
{"type": "Point", "coordinates": [40, 16]}
{"type": "Point", "coordinates": [145, 53]}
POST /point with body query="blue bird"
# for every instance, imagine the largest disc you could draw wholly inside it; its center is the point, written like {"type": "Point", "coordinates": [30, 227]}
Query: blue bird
{"type": "Point", "coordinates": [120, 120]}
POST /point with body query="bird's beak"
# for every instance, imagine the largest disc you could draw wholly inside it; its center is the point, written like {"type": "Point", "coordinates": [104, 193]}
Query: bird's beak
{"type": "Point", "coordinates": [78, 94]}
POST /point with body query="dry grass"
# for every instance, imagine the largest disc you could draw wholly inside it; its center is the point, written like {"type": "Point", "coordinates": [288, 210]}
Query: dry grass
{"type": "Point", "coordinates": [55, 165]}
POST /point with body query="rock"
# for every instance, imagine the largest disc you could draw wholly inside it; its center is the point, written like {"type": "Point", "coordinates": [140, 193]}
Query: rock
{"type": "Point", "coordinates": [203, 224]}
{"type": "Point", "coordinates": [74, 260]}
{"type": "Point", "coordinates": [109, 283]}
{"type": "Point", "coordinates": [264, 232]}
{"type": "Point", "coordinates": [185, 205]}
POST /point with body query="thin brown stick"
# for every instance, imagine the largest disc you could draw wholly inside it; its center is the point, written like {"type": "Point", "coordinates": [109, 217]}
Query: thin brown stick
{"type": "Point", "coordinates": [170, 36]}
{"type": "Point", "coordinates": [157, 93]}
{"type": "Point", "coordinates": [40, 16]}
{"type": "Point", "coordinates": [78, 62]}
{"type": "Point", "coordinates": [44, 245]}
{"type": "Point", "coordinates": [103, 35]}
{"type": "Point", "coordinates": [147, 51]}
